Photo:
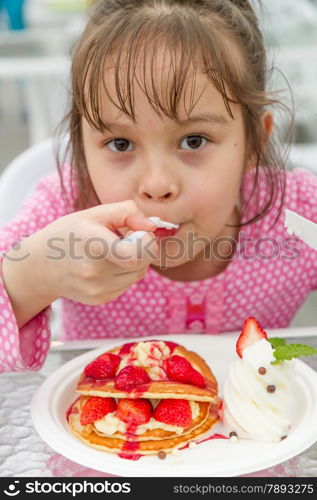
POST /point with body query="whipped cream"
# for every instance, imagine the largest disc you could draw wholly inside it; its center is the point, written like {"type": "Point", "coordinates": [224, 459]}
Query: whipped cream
{"type": "Point", "coordinates": [162, 223]}
{"type": "Point", "coordinates": [249, 408]}
{"type": "Point", "coordinates": [110, 424]}
{"type": "Point", "coordinates": [150, 356]}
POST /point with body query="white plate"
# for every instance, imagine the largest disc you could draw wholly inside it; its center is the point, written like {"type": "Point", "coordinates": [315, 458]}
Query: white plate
{"type": "Point", "coordinates": [212, 458]}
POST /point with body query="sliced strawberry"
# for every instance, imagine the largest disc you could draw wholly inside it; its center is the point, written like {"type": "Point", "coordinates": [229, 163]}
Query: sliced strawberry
{"type": "Point", "coordinates": [96, 408]}
{"type": "Point", "coordinates": [251, 333]}
{"type": "Point", "coordinates": [174, 412]}
{"type": "Point", "coordinates": [126, 348]}
{"type": "Point", "coordinates": [130, 377]}
{"type": "Point", "coordinates": [134, 411]}
{"type": "Point", "coordinates": [180, 370]}
{"type": "Point", "coordinates": [105, 366]}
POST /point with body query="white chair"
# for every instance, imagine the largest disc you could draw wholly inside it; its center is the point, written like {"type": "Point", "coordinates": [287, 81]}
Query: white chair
{"type": "Point", "coordinates": [20, 177]}
{"type": "Point", "coordinates": [18, 182]}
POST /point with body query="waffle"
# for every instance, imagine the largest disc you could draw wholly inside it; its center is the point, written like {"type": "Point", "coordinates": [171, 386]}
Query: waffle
{"type": "Point", "coordinates": [157, 388]}
{"type": "Point", "coordinates": [151, 446]}
{"type": "Point", "coordinates": [155, 436]}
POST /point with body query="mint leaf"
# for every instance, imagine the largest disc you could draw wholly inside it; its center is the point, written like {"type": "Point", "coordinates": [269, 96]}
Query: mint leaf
{"type": "Point", "coordinates": [276, 342]}
{"type": "Point", "coordinates": [291, 351]}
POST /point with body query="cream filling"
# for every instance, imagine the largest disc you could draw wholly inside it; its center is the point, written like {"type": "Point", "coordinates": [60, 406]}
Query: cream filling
{"type": "Point", "coordinates": [150, 356]}
{"type": "Point", "coordinates": [110, 424]}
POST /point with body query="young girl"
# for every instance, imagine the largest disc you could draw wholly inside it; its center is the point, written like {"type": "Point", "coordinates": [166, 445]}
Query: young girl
{"type": "Point", "coordinates": [169, 118]}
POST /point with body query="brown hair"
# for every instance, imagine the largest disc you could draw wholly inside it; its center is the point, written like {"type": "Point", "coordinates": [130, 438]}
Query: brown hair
{"type": "Point", "coordinates": [218, 37]}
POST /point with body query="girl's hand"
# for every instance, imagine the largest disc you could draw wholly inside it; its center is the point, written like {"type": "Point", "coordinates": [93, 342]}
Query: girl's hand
{"type": "Point", "coordinates": [84, 260]}
{"type": "Point", "coordinates": [78, 257]}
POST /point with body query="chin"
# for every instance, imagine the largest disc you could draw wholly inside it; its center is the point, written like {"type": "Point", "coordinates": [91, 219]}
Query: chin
{"type": "Point", "coordinates": [173, 255]}
{"type": "Point", "coordinates": [168, 264]}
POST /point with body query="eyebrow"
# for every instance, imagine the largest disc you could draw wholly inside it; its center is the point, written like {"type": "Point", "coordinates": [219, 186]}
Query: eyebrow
{"type": "Point", "coordinates": [213, 118]}
{"type": "Point", "coordinates": [205, 117]}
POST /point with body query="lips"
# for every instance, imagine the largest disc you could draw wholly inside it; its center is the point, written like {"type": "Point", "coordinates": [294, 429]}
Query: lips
{"type": "Point", "coordinates": [161, 232]}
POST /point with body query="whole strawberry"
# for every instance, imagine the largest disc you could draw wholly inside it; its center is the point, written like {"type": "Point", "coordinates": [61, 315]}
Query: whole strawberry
{"type": "Point", "coordinates": [251, 332]}
{"type": "Point", "coordinates": [130, 377]}
{"type": "Point", "coordinates": [105, 366]}
{"type": "Point", "coordinates": [95, 408]}
{"type": "Point", "coordinates": [134, 411]}
{"type": "Point", "coordinates": [174, 412]}
{"type": "Point", "coordinates": [179, 369]}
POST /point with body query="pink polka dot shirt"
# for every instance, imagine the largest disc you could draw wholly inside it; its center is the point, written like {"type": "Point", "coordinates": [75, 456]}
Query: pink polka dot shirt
{"type": "Point", "coordinates": [269, 277]}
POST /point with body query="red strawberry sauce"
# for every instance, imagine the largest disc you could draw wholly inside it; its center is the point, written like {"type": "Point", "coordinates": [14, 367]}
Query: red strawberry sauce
{"type": "Point", "coordinates": [130, 446]}
{"type": "Point", "coordinates": [172, 346]}
{"type": "Point", "coordinates": [127, 451]}
{"type": "Point", "coordinates": [214, 436]}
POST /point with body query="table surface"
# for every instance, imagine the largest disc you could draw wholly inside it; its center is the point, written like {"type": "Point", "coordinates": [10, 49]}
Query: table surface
{"type": "Point", "coordinates": [23, 453]}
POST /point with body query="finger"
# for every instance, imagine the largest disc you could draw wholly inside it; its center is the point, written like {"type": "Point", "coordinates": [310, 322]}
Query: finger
{"type": "Point", "coordinates": [134, 254]}
{"type": "Point", "coordinates": [122, 214]}
{"type": "Point", "coordinates": [111, 216]}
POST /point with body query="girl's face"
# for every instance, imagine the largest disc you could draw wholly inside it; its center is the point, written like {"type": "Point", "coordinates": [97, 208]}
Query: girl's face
{"type": "Point", "coordinates": [187, 173]}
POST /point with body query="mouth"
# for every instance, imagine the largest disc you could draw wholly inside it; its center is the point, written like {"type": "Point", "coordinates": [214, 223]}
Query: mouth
{"type": "Point", "coordinates": [162, 232]}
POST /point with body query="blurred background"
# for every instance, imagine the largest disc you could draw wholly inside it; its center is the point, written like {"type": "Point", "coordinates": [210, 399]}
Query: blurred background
{"type": "Point", "coordinates": [36, 37]}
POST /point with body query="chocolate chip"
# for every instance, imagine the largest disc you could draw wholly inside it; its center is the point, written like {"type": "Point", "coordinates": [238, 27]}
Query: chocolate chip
{"type": "Point", "coordinates": [283, 437]}
{"type": "Point", "coordinates": [271, 388]}
{"type": "Point", "coordinates": [233, 434]}
{"type": "Point", "coordinates": [262, 370]}
{"type": "Point", "coordinates": [161, 455]}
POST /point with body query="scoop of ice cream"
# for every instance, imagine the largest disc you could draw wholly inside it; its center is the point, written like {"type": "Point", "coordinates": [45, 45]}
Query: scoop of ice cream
{"type": "Point", "coordinates": [258, 395]}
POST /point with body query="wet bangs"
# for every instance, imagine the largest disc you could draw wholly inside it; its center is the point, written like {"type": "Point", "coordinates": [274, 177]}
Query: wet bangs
{"type": "Point", "coordinates": [133, 53]}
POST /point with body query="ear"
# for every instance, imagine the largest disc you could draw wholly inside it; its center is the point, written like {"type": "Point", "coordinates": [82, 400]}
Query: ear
{"type": "Point", "coordinates": [267, 124]}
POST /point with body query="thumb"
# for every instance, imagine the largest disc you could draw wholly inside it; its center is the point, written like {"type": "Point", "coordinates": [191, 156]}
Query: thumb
{"type": "Point", "coordinates": [122, 214]}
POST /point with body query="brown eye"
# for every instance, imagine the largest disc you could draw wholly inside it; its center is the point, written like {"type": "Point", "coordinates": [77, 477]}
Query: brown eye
{"type": "Point", "coordinates": [193, 142]}
{"type": "Point", "coordinates": [119, 145]}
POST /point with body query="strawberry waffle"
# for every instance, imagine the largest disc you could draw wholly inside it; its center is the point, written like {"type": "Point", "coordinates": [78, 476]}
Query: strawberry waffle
{"type": "Point", "coordinates": [144, 398]}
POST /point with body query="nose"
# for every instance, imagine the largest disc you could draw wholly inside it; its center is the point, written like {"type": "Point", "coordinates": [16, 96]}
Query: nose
{"type": "Point", "coordinates": [158, 197]}
{"type": "Point", "coordinates": [158, 186]}
{"type": "Point", "coordinates": [158, 192]}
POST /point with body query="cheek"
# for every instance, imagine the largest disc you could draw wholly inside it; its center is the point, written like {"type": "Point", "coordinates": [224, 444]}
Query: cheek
{"type": "Point", "coordinates": [111, 187]}
{"type": "Point", "coordinates": [110, 183]}
{"type": "Point", "coordinates": [210, 193]}
{"type": "Point", "coordinates": [213, 200]}
{"type": "Point", "coordinates": [111, 193]}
